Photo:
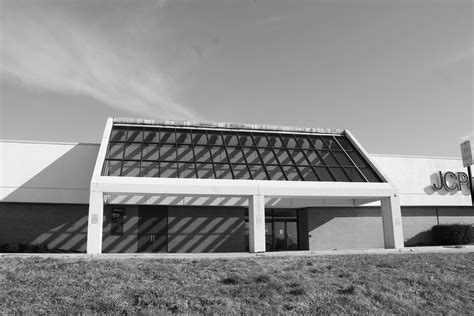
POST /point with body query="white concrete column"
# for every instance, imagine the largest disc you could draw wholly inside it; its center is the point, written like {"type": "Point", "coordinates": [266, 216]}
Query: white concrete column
{"type": "Point", "coordinates": [257, 223]}
{"type": "Point", "coordinates": [95, 223]}
{"type": "Point", "coordinates": [392, 222]}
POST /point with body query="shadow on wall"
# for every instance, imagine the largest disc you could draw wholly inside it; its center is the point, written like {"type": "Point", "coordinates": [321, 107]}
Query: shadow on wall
{"type": "Point", "coordinates": [424, 238]}
{"type": "Point", "coordinates": [28, 214]}
{"type": "Point", "coordinates": [58, 226]}
{"type": "Point", "coordinates": [65, 180]}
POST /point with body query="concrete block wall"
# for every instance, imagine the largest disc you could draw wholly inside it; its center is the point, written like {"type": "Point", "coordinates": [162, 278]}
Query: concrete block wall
{"type": "Point", "coordinates": [345, 228]}
{"type": "Point", "coordinates": [204, 229]}
{"type": "Point", "coordinates": [58, 226]}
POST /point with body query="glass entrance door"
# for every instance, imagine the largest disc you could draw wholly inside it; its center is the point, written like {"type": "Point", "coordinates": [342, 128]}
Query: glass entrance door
{"type": "Point", "coordinates": [285, 235]}
{"type": "Point", "coordinates": [152, 228]}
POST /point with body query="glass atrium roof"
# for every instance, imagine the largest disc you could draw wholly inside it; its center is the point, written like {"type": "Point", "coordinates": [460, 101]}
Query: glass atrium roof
{"type": "Point", "coordinates": [210, 153]}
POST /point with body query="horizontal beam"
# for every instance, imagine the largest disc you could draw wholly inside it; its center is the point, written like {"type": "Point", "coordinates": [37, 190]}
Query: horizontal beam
{"type": "Point", "coordinates": [212, 187]}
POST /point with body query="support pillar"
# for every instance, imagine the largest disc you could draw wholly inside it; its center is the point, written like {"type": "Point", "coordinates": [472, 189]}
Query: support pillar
{"type": "Point", "coordinates": [392, 222]}
{"type": "Point", "coordinates": [95, 223]}
{"type": "Point", "coordinates": [257, 223]}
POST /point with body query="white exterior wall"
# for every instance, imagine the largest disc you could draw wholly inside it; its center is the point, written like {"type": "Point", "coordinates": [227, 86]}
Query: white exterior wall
{"type": "Point", "coordinates": [61, 173]}
{"type": "Point", "coordinates": [46, 172]}
{"type": "Point", "coordinates": [413, 176]}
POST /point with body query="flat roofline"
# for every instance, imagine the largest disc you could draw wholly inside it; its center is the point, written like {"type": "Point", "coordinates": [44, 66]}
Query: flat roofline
{"type": "Point", "coordinates": [415, 156]}
{"type": "Point", "coordinates": [45, 142]}
{"type": "Point", "coordinates": [226, 125]}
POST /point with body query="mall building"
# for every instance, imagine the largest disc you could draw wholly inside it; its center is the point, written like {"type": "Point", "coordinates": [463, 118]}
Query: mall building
{"type": "Point", "coordinates": [178, 186]}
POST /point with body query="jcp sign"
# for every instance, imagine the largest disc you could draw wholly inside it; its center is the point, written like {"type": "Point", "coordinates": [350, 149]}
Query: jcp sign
{"type": "Point", "coordinates": [451, 181]}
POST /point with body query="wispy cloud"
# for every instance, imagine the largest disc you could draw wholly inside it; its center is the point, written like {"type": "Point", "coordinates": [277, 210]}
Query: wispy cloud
{"type": "Point", "coordinates": [53, 50]}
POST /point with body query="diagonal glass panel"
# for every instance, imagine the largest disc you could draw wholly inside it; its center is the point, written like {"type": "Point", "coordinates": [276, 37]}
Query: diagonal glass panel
{"type": "Point", "coordinates": [150, 152]}
{"type": "Point", "coordinates": [205, 171]}
{"type": "Point", "coordinates": [150, 169]}
{"type": "Point", "coordinates": [115, 151]}
{"type": "Point", "coordinates": [218, 154]}
{"type": "Point", "coordinates": [185, 153]}
{"type": "Point", "coordinates": [241, 171]}
{"type": "Point", "coordinates": [118, 134]}
{"type": "Point", "coordinates": [167, 136]}
{"type": "Point", "coordinates": [276, 173]}
{"type": "Point", "coordinates": [151, 136]}
{"type": "Point", "coordinates": [130, 169]}
{"type": "Point", "coordinates": [134, 135]}
{"type": "Point", "coordinates": [168, 153]}
{"type": "Point", "coordinates": [206, 153]}
{"type": "Point", "coordinates": [202, 154]}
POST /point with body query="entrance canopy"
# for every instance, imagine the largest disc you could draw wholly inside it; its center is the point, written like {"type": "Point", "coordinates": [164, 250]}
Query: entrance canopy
{"type": "Point", "coordinates": [152, 158]}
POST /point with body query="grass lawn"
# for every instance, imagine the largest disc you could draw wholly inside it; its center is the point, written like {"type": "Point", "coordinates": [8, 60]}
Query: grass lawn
{"type": "Point", "coordinates": [404, 283]}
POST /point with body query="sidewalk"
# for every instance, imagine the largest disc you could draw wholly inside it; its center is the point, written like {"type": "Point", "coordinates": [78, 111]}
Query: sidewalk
{"type": "Point", "coordinates": [230, 255]}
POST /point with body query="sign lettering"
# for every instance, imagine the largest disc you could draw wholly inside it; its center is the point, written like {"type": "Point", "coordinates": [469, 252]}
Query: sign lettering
{"type": "Point", "coordinates": [451, 181]}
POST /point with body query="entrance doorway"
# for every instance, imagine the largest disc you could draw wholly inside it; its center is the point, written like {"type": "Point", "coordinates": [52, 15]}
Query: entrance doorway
{"type": "Point", "coordinates": [152, 228]}
{"type": "Point", "coordinates": [281, 230]}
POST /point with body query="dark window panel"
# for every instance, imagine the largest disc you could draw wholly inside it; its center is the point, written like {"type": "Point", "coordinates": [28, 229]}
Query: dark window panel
{"type": "Point", "coordinates": [354, 175]}
{"type": "Point", "coordinates": [274, 141]}
{"type": "Point", "coordinates": [235, 155]}
{"type": "Point", "coordinates": [318, 143]}
{"type": "Point", "coordinates": [205, 171]}
{"type": "Point", "coordinates": [303, 142]}
{"type": "Point", "coordinates": [118, 134]}
{"type": "Point", "coordinates": [251, 155]}
{"type": "Point", "coordinates": [202, 154]}
{"type": "Point", "coordinates": [223, 171]}
{"type": "Point", "coordinates": [133, 152]}
{"type": "Point", "coordinates": [219, 154]}
{"type": "Point", "coordinates": [357, 158]}
{"type": "Point", "coordinates": [215, 138]}
{"type": "Point", "coordinates": [185, 153]}
{"type": "Point", "coordinates": [183, 137]}
{"type": "Point", "coordinates": [289, 142]}
{"type": "Point", "coordinates": [150, 169]}
{"type": "Point", "coordinates": [331, 143]}
{"type": "Point", "coordinates": [345, 143]}
{"type": "Point", "coordinates": [199, 138]}
{"type": "Point", "coordinates": [241, 172]}
{"type": "Point", "coordinates": [113, 168]}
{"type": "Point", "coordinates": [134, 135]}
{"type": "Point", "coordinates": [291, 173]}
{"type": "Point", "coordinates": [275, 173]}
{"type": "Point", "coordinates": [167, 153]}
{"type": "Point", "coordinates": [131, 169]}
{"type": "Point", "coordinates": [260, 140]}
{"type": "Point", "coordinates": [342, 158]}
{"type": "Point", "coordinates": [151, 136]}
{"type": "Point", "coordinates": [323, 174]}
{"type": "Point", "coordinates": [370, 175]}
{"type": "Point", "coordinates": [167, 136]}
{"type": "Point", "coordinates": [340, 175]}
{"type": "Point", "coordinates": [298, 157]}
{"type": "Point", "coordinates": [268, 156]}
{"type": "Point", "coordinates": [246, 140]}
{"type": "Point", "coordinates": [328, 158]}
{"type": "Point", "coordinates": [308, 174]}
{"type": "Point", "coordinates": [168, 170]}
{"type": "Point", "coordinates": [115, 151]}
{"type": "Point", "coordinates": [313, 158]}
{"type": "Point", "coordinates": [230, 140]}
{"type": "Point", "coordinates": [283, 156]}
{"type": "Point", "coordinates": [258, 172]}
{"type": "Point", "coordinates": [186, 170]}
{"type": "Point", "coordinates": [151, 152]}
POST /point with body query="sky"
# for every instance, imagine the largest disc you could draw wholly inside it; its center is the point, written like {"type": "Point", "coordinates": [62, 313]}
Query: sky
{"type": "Point", "coordinates": [397, 74]}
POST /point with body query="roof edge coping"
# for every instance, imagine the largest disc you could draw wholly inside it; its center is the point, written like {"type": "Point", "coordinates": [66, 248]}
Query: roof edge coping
{"type": "Point", "coordinates": [226, 125]}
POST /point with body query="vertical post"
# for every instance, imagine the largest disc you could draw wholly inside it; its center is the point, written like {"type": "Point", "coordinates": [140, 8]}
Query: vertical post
{"type": "Point", "coordinates": [392, 222]}
{"type": "Point", "coordinates": [95, 223]}
{"type": "Point", "coordinates": [257, 223]}
{"type": "Point", "coordinates": [471, 189]}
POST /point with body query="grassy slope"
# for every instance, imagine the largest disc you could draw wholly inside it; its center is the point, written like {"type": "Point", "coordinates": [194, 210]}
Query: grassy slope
{"type": "Point", "coordinates": [406, 283]}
